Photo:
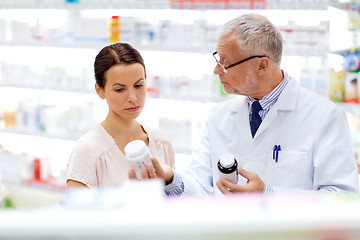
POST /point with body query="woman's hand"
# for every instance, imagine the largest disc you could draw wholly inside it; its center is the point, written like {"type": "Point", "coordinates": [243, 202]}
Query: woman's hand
{"type": "Point", "coordinates": [161, 171]}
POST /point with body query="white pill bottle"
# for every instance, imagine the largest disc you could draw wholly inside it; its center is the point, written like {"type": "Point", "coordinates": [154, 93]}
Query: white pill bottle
{"type": "Point", "coordinates": [227, 166]}
{"type": "Point", "coordinates": [138, 155]}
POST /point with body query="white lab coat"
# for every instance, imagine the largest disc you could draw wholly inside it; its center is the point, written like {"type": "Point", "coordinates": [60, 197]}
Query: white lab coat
{"type": "Point", "coordinates": [316, 146]}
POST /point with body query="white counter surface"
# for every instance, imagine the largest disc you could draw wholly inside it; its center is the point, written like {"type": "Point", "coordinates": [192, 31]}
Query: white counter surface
{"type": "Point", "coordinates": [250, 217]}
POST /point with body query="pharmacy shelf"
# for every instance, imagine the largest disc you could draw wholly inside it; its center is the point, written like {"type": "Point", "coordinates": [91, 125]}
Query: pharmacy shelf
{"type": "Point", "coordinates": [44, 185]}
{"type": "Point", "coordinates": [345, 4]}
{"type": "Point", "coordinates": [23, 195]}
{"type": "Point", "coordinates": [84, 4]}
{"type": "Point", "coordinates": [98, 44]}
{"type": "Point", "coordinates": [345, 52]}
{"type": "Point", "coordinates": [79, 44]}
{"type": "Point", "coordinates": [166, 4]}
{"type": "Point", "coordinates": [20, 133]}
{"type": "Point", "coordinates": [56, 92]}
{"type": "Point", "coordinates": [353, 108]}
{"type": "Point", "coordinates": [28, 92]}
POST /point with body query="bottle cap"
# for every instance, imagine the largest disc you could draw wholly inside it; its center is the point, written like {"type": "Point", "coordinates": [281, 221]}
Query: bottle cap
{"type": "Point", "coordinates": [227, 160]}
{"type": "Point", "coordinates": [135, 148]}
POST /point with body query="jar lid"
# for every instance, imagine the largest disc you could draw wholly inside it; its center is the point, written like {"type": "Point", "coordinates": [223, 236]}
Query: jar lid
{"type": "Point", "coordinates": [135, 148]}
{"type": "Point", "coordinates": [227, 160]}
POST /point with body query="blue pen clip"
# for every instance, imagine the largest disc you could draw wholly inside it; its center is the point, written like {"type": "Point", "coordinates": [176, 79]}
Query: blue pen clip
{"type": "Point", "coordinates": [276, 150]}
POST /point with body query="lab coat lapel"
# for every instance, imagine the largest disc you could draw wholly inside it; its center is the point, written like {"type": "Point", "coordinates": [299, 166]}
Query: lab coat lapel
{"type": "Point", "coordinates": [270, 116]}
{"type": "Point", "coordinates": [241, 118]}
{"type": "Point", "coordinates": [285, 102]}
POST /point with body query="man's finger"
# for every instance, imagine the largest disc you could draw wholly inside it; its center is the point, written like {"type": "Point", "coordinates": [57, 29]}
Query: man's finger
{"type": "Point", "coordinates": [246, 174]}
{"type": "Point", "coordinates": [224, 186]}
{"type": "Point", "coordinates": [230, 187]}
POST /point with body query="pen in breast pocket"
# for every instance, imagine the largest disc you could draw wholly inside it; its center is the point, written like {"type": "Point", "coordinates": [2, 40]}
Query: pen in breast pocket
{"type": "Point", "coordinates": [276, 150]}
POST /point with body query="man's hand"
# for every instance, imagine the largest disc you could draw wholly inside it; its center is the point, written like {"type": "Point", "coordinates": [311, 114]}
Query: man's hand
{"type": "Point", "coordinates": [254, 183]}
{"type": "Point", "coordinates": [158, 171]}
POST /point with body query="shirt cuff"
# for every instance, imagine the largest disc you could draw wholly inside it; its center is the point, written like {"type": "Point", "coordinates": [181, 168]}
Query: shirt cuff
{"type": "Point", "coordinates": [176, 187]}
{"type": "Point", "coordinates": [268, 189]}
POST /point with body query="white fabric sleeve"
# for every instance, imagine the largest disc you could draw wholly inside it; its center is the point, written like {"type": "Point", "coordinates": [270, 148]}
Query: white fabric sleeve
{"type": "Point", "coordinates": [334, 161]}
{"type": "Point", "coordinates": [82, 165]}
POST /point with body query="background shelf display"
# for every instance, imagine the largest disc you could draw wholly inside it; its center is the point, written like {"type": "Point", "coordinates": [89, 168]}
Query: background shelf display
{"type": "Point", "coordinates": [150, 30]}
{"type": "Point", "coordinates": [51, 84]}
{"type": "Point", "coordinates": [169, 4]}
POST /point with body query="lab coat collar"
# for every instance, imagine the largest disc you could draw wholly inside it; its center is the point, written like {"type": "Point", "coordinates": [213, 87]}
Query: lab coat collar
{"type": "Point", "coordinates": [239, 106]}
{"type": "Point", "coordinates": [285, 103]}
{"type": "Point", "coordinates": [286, 100]}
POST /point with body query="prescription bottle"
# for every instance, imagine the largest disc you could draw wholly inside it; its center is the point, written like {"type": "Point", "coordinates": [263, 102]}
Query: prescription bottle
{"type": "Point", "coordinates": [113, 27]}
{"type": "Point", "coordinates": [138, 155]}
{"type": "Point", "coordinates": [227, 166]}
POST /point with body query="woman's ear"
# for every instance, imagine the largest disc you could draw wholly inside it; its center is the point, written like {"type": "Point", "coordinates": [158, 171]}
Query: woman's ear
{"type": "Point", "coordinates": [100, 91]}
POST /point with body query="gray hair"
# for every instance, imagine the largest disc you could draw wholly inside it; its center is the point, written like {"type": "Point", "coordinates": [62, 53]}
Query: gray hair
{"type": "Point", "coordinates": [255, 34]}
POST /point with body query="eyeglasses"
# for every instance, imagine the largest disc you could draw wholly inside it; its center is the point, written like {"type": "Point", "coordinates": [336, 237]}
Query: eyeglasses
{"type": "Point", "coordinates": [217, 59]}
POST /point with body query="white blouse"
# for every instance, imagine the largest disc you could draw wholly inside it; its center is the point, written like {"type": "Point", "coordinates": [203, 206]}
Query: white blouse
{"type": "Point", "coordinates": [96, 160]}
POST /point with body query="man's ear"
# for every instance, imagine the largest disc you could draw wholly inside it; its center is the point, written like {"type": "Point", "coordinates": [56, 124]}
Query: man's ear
{"type": "Point", "coordinates": [99, 91]}
{"type": "Point", "coordinates": [264, 65]}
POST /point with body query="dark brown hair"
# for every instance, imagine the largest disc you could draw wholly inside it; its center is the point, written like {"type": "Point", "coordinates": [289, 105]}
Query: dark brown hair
{"type": "Point", "coordinates": [118, 53]}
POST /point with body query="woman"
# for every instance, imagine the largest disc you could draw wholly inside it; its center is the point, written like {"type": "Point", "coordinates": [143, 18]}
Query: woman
{"type": "Point", "coordinates": [98, 158]}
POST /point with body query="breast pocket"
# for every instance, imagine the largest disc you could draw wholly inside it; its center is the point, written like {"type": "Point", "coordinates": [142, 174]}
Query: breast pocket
{"type": "Point", "coordinates": [291, 169]}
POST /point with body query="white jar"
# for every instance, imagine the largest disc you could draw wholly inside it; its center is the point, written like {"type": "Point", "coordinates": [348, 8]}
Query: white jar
{"type": "Point", "coordinates": [138, 155]}
{"type": "Point", "coordinates": [227, 166]}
